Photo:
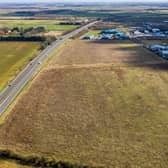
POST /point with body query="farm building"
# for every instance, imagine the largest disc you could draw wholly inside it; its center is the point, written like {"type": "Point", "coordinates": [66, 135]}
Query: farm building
{"type": "Point", "coordinates": [164, 54]}
{"type": "Point", "coordinates": [157, 47]}
{"type": "Point", "coordinates": [106, 37]}
{"type": "Point", "coordinates": [155, 30]}
{"type": "Point", "coordinates": [88, 37]}
{"type": "Point", "coordinates": [160, 50]}
{"type": "Point", "coordinates": [159, 34]}
{"type": "Point", "coordinates": [113, 34]}
{"type": "Point", "coordinates": [112, 31]}
{"type": "Point", "coordinates": [122, 36]}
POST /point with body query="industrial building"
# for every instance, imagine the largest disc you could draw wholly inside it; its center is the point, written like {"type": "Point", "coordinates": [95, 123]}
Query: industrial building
{"type": "Point", "coordinates": [107, 35]}
{"type": "Point", "coordinates": [161, 50]}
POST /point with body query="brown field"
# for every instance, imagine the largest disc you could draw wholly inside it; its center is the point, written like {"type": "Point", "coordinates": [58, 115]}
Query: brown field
{"type": "Point", "coordinates": [98, 111]}
{"type": "Point", "coordinates": [92, 52]}
{"type": "Point", "coordinates": [54, 33]}
{"type": "Point", "coordinates": [149, 42]}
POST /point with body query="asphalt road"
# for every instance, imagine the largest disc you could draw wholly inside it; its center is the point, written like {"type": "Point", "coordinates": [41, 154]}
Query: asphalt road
{"type": "Point", "coordinates": [14, 88]}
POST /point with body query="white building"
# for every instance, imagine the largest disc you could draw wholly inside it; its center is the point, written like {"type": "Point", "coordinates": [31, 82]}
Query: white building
{"type": "Point", "coordinates": [164, 53]}
{"type": "Point", "coordinates": [155, 30]}
{"type": "Point", "coordinates": [157, 47]}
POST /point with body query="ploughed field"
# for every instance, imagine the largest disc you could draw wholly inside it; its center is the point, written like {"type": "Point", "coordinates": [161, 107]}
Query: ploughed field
{"type": "Point", "coordinates": [97, 104]}
{"type": "Point", "coordinates": [13, 57]}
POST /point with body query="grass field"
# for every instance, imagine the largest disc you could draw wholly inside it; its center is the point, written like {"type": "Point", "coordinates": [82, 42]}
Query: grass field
{"type": "Point", "coordinates": [14, 56]}
{"type": "Point", "coordinates": [50, 25]}
{"type": "Point", "coordinates": [96, 106]}
{"type": "Point", "coordinates": [93, 32]}
{"type": "Point", "coordinates": [10, 164]}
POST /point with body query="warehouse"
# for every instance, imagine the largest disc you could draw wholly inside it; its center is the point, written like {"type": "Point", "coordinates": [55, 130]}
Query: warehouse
{"type": "Point", "coordinates": [164, 54]}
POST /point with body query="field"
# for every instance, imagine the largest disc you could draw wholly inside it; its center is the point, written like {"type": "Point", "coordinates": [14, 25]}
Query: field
{"type": "Point", "coordinates": [151, 42]}
{"type": "Point", "coordinates": [91, 52]}
{"type": "Point", "coordinates": [93, 32]}
{"type": "Point", "coordinates": [100, 104]}
{"type": "Point", "coordinates": [10, 164]}
{"type": "Point", "coordinates": [14, 56]}
{"type": "Point", "coordinates": [50, 25]}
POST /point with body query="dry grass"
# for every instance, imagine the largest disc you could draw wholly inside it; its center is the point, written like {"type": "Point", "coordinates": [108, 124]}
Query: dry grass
{"type": "Point", "coordinates": [92, 52]}
{"type": "Point", "coordinates": [54, 33]}
{"type": "Point", "coordinates": [95, 113]}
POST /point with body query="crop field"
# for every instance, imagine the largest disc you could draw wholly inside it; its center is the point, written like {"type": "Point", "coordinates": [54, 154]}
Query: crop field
{"type": "Point", "coordinates": [94, 105]}
{"type": "Point", "coordinates": [92, 52]}
{"type": "Point", "coordinates": [13, 57]}
{"type": "Point", "coordinates": [50, 25]}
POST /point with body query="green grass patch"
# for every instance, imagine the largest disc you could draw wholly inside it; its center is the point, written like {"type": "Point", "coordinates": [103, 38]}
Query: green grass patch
{"type": "Point", "coordinates": [50, 25]}
{"type": "Point", "coordinates": [12, 164]}
{"type": "Point", "coordinates": [14, 56]}
{"type": "Point", "coordinates": [93, 32]}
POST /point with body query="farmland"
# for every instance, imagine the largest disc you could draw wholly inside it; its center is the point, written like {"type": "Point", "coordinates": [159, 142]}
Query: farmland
{"type": "Point", "coordinates": [91, 52]}
{"type": "Point", "coordinates": [151, 42]}
{"type": "Point", "coordinates": [50, 25]}
{"type": "Point", "coordinates": [100, 103]}
{"type": "Point", "coordinates": [14, 56]}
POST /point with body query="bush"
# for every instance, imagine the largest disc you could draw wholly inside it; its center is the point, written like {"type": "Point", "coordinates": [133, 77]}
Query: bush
{"type": "Point", "coordinates": [37, 161]}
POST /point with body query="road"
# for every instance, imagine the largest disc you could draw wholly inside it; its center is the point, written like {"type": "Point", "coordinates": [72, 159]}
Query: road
{"type": "Point", "coordinates": [10, 93]}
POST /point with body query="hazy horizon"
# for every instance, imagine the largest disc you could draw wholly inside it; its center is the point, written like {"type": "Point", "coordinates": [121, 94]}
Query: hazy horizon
{"type": "Point", "coordinates": [82, 1]}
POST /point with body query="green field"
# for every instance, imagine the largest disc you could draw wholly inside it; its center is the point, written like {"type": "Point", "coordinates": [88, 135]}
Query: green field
{"type": "Point", "coordinates": [14, 56]}
{"type": "Point", "coordinates": [48, 24]}
{"type": "Point", "coordinates": [93, 32]}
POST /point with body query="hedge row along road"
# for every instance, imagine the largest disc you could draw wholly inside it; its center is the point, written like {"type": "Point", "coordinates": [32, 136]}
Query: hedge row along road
{"type": "Point", "coordinates": [10, 93]}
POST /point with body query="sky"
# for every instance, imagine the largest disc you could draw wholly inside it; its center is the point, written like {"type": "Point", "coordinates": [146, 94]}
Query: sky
{"type": "Point", "coordinates": [82, 1]}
